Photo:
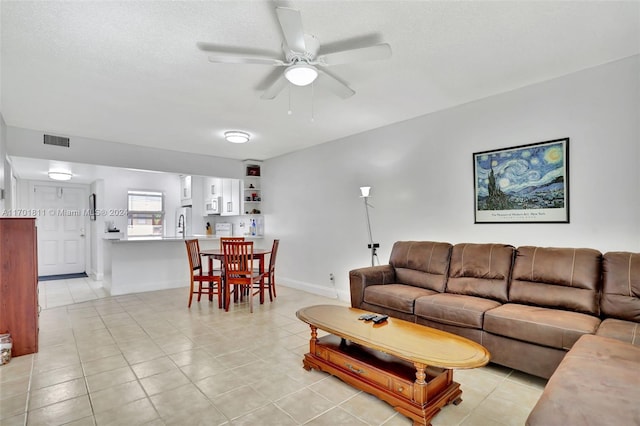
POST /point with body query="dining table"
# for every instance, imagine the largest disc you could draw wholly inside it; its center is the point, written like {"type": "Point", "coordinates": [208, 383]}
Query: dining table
{"type": "Point", "coordinates": [258, 253]}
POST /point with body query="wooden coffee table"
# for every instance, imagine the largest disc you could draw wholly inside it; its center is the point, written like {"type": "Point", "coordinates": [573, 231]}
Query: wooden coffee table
{"type": "Point", "coordinates": [410, 366]}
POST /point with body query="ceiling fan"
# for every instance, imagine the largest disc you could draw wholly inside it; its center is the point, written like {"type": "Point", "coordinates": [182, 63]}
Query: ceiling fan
{"type": "Point", "coordinates": [301, 62]}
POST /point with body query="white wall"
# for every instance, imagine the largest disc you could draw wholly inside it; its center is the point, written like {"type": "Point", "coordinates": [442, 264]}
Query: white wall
{"type": "Point", "coordinates": [421, 170]}
{"type": "Point", "coordinates": [111, 196]}
{"type": "Point", "coordinates": [96, 231]}
{"type": "Point", "coordinates": [116, 187]}
{"type": "Point", "coordinates": [29, 143]}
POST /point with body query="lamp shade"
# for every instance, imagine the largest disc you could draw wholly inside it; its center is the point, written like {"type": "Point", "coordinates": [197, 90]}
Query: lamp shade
{"type": "Point", "coordinates": [364, 191]}
{"type": "Point", "coordinates": [236, 136]}
{"type": "Point", "coordinates": [60, 175]}
{"type": "Point", "coordinates": [301, 74]}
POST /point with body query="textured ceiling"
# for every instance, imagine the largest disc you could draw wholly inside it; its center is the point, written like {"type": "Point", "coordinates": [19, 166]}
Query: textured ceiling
{"type": "Point", "coordinates": [130, 72]}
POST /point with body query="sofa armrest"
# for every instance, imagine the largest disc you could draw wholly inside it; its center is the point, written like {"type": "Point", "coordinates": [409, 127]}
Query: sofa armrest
{"type": "Point", "coordinates": [363, 277]}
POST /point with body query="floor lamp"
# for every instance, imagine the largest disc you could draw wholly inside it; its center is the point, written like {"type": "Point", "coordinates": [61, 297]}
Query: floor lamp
{"type": "Point", "coordinates": [364, 194]}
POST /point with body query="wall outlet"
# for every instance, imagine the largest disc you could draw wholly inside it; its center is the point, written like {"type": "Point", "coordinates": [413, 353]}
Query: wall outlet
{"type": "Point", "coordinates": [332, 278]}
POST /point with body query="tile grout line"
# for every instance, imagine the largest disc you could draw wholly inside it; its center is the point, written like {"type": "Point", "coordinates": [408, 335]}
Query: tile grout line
{"type": "Point", "coordinates": [177, 367]}
{"type": "Point", "coordinates": [26, 405]}
{"type": "Point", "coordinates": [84, 373]}
{"type": "Point", "coordinates": [138, 380]}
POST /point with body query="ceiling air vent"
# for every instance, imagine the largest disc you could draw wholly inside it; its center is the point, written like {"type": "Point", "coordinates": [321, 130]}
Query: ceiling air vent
{"type": "Point", "coordinates": [56, 140]}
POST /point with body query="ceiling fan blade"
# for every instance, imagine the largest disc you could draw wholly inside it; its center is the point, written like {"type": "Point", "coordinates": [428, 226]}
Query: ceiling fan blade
{"type": "Point", "coordinates": [237, 59]}
{"type": "Point", "coordinates": [234, 50]}
{"type": "Point", "coordinates": [275, 88]}
{"type": "Point", "coordinates": [291, 23]}
{"type": "Point", "coordinates": [371, 53]}
{"type": "Point", "coordinates": [333, 84]}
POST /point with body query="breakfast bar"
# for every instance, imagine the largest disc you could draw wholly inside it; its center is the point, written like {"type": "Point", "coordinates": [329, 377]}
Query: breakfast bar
{"type": "Point", "coordinates": [150, 263]}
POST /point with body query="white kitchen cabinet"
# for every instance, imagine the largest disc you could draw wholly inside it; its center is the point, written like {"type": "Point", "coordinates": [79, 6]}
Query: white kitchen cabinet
{"type": "Point", "coordinates": [230, 197]}
{"type": "Point", "coordinates": [185, 191]}
{"type": "Point", "coordinates": [212, 188]}
{"type": "Point", "coordinates": [211, 196]}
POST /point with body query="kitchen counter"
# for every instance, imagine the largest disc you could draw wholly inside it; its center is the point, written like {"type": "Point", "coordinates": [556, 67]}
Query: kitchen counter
{"type": "Point", "coordinates": [153, 263]}
{"type": "Point", "coordinates": [123, 239]}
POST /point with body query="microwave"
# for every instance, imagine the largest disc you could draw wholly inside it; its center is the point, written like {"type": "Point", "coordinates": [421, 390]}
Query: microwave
{"type": "Point", "coordinates": [212, 205]}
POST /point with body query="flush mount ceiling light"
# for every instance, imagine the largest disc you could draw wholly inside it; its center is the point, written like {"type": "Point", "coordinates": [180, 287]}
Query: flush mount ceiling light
{"type": "Point", "coordinates": [236, 136]}
{"type": "Point", "coordinates": [60, 175]}
{"type": "Point", "coordinates": [301, 74]}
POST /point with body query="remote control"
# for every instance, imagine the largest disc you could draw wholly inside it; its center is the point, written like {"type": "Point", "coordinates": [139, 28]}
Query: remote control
{"type": "Point", "coordinates": [367, 317]}
{"type": "Point", "coordinates": [380, 318]}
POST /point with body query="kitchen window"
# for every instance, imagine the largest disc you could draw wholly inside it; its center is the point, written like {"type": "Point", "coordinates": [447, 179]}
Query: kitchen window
{"type": "Point", "coordinates": [145, 214]}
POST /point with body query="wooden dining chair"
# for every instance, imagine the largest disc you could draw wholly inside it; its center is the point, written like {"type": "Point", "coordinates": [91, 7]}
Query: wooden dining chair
{"type": "Point", "coordinates": [213, 280]}
{"type": "Point", "coordinates": [269, 275]}
{"type": "Point", "coordinates": [229, 240]}
{"type": "Point", "coordinates": [238, 269]}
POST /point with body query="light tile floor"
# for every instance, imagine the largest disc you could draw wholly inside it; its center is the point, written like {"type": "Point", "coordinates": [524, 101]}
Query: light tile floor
{"type": "Point", "coordinates": [147, 359]}
{"type": "Point", "coordinates": [67, 292]}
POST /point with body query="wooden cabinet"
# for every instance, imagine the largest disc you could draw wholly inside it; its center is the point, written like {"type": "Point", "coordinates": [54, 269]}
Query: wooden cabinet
{"type": "Point", "coordinates": [19, 283]}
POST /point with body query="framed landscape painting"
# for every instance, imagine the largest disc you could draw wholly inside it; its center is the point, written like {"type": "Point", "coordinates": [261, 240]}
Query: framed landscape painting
{"type": "Point", "coordinates": [523, 184]}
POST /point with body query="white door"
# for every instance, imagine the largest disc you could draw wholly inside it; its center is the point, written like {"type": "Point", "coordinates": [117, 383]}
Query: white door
{"type": "Point", "coordinates": [61, 221]}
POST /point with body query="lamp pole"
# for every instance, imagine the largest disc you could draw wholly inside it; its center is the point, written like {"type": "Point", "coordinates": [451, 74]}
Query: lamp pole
{"type": "Point", "coordinates": [364, 191]}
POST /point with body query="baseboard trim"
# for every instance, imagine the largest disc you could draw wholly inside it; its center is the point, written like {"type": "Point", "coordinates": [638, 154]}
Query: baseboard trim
{"type": "Point", "coordinates": [320, 290]}
{"type": "Point", "coordinates": [97, 276]}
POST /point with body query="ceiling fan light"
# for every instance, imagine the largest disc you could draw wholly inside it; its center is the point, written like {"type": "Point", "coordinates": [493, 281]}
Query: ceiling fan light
{"type": "Point", "coordinates": [236, 136]}
{"type": "Point", "coordinates": [59, 175]}
{"type": "Point", "coordinates": [301, 74]}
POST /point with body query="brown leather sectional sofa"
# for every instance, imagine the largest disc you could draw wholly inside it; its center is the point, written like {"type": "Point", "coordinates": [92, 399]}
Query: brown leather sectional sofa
{"type": "Point", "coordinates": [528, 306]}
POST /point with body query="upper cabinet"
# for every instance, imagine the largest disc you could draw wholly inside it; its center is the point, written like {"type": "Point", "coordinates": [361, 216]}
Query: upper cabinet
{"type": "Point", "coordinates": [211, 196]}
{"type": "Point", "coordinates": [212, 187]}
{"type": "Point", "coordinates": [230, 197]}
{"type": "Point", "coordinates": [221, 196]}
{"type": "Point", "coordinates": [185, 191]}
{"type": "Point", "coordinates": [252, 190]}
{"type": "Point", "coordinates": [224, 196]}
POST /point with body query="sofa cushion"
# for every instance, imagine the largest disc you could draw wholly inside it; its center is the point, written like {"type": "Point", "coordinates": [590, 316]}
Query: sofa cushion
{"type": "Point", "coordinates": [454, 309]}
{"type": "Point", "coordinates": [549, 327]}
{"type": "Point", "coordinates": [481, 270]}
{"type": "Point", "coordinates": [421, 263]}
{"type": "Point", "coordinates": [399, 297]}
{"type": "Point", "coordinates": [621, 286]}
{"type": "Point", "coordinates": [360, 278]}
{"type": "Point", "coordinates": [625, 331]}
{"type": "Point", "coordinates": [564, 278]}
{"type": "Point", "coordinates": [595, 384]}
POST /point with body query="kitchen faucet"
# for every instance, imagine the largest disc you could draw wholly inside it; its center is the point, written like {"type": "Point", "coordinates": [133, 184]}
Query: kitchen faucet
{"type": "Point", "coordinates": [181, 225]}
